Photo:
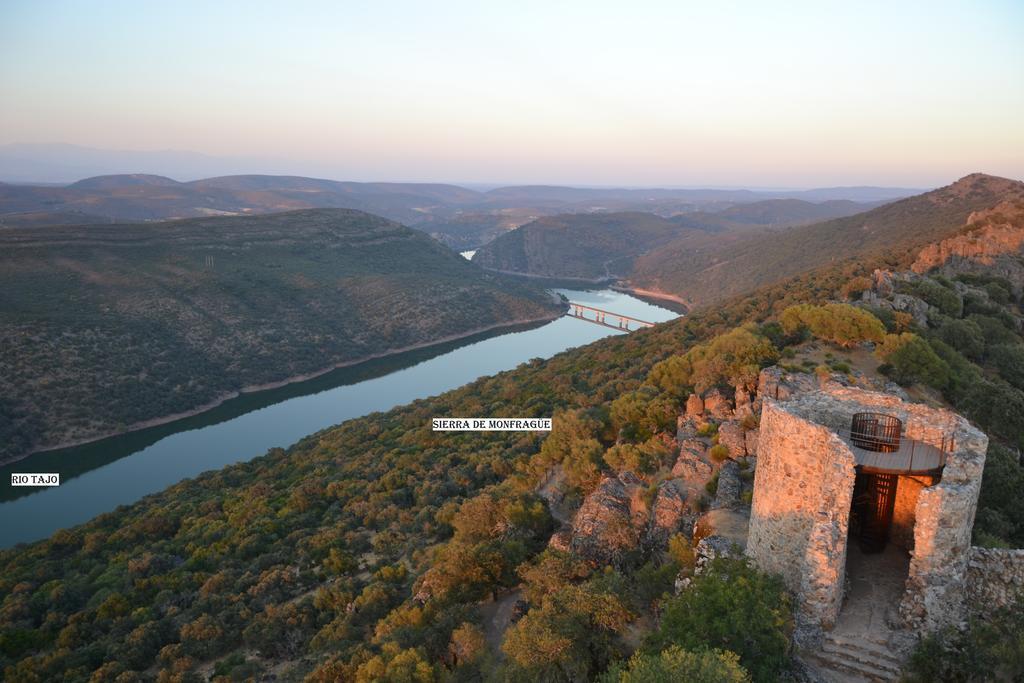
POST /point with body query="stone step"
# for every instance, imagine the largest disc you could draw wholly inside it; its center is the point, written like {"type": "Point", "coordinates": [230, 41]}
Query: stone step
{"type": "Point", "coordinates": [825, 672]}
{"type": "Point", "coordinates": [852, 663]}
{"type": "Point", "coordinates": [870, 647]}
{"type": "Point", "coordinates": [885, 663]}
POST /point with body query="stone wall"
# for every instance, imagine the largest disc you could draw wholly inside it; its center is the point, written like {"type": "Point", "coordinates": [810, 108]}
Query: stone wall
{"type": "Point", "coordinates": [905, 510]}
{"type": "Point", "coordinates": [800, 513]}
{"type": "Point", "coordinates": [936, 585]}
{"type": "Point", "coordinates": [995, 579]}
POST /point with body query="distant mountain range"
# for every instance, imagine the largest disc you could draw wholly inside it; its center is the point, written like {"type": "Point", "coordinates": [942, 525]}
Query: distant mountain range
{"type": "Point", "coordinates": [460, 217]}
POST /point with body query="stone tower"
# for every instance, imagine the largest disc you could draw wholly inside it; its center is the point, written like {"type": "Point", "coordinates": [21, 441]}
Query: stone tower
{"type": "Point", "coordinates": [809, 468]}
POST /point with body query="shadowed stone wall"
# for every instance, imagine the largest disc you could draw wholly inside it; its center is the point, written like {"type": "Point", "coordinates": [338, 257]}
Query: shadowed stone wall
{"type": "Point", "coordinates": [995, 579]}
{"type": "Point", "coordinates": [800, 513]}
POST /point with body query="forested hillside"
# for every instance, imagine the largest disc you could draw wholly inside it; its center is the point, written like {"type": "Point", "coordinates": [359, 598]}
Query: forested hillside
{"type": "Point", "coordinates": [709, 273]}
{"type": "Point", "coordinates": [108, 326]}
{"type": "Point", "coordinates": [589, 246]}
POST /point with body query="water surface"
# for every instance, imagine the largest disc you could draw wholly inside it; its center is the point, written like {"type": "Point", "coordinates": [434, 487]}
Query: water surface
{"type": "Point", "coordinates": [97, 477]}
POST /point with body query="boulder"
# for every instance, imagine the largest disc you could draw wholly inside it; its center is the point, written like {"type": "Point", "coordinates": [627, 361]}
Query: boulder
{"type": "Point", "coordinates": [730, 435]}
{"type": "Point", "coordinates": [729, 485]}
{"type": "Point", "coordinates": [561, 539]}
{"type": "Point", "coordinates": [717, 405]}
{"type": "Point", "coordinates": [603, 530]}
{"type": "Point", "coordinates": [692, 463]}
{"type": "Point", "coordinates": [775, 383]}
{"type": "Point", "coordinates": [694, 406]}
{"type": "Point", "coordinates": [686, 428]}
{"type": "Point", "coordinates": [731, 524]}
{"type": "Point", "coordinates": [882, 282]}
{"type": "Point", "coordinates": [711, 547]}
{"type": "Point", "coordinates": [670, 515]}
{"type": "Point", "coordinates": [912, 305]}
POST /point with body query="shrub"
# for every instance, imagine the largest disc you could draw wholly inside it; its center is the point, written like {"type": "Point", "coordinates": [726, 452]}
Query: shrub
{"type": "Point", "coordinates": [677, 664]}
{"type": "Point", "coordinates": [638, 415]}
{"type": "Point", "coordinates": [934, 294]}
{"type": "Point", "coordinates": [990, 650]}
{"type": "Point", "coordinates": [913, 360]}
{"type": "Point", "coordinates": [1008, 359]}
{"type": "Point", "coordinates": [734, 358]}
{"type": "Point", "coordinates": [733, 607]}
{"type": "Point", "coordinates": [841, 324]}
{"type": "Point", "coordinates": [719, 452]}
{"type": "Point", "coordinates": [854, 287]}
{"type": "Point", "coordinates": [963, 335]}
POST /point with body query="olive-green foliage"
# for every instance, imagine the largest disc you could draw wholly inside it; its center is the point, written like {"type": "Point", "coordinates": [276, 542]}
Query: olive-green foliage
{"type": "Point", "coordinates": [569, 636]}
{"type": "Point", "coordinates": [931, 292]}
{"type": "Point", "coordinates": [1008, 360]}
{"type": "Point", "coordinates": [913, 360]}
{"type": "Point", "coordinates": [841, 324]}
{"type": "Point", "coordinates": [645, 458]}
{"type": "Point", "coordinates": [719, 452]}
{"type": "Point", "coordinates": [731, 607]}
{"type": "Point", "coordinates": [639, 414]}
{"type": "Point", "coordinates": [1000, 517]}
{"type": "Point", "coordinates": [676, 664]}
{"type": "Point", "coordinates": [734, 358]}
{"type": "Point", "coordinates": [989, 650]}
{"type": "Point", "coordinates": [965, 336]}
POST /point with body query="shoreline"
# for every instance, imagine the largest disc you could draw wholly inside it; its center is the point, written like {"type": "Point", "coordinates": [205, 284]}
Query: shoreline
{"type": "Point", "coordinates": [256, 388]}
{"type": "Point", "coordinates": [652, 293]}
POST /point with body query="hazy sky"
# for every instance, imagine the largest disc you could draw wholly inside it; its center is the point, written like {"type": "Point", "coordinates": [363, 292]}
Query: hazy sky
{"type": "Point", "coordinates": [634, 93]}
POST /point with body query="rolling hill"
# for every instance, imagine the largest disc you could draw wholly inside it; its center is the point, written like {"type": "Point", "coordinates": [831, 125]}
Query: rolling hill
{"type": "Point", "coordinates": [460, 217]}
{"type": "Point", "coordinates": [599, 245]}
{"type": "Point", "coordinates": [586, 246]}
{"type": "Point", "coordinates": [707, 273]}
{"type": "Point", "coordinates": [106, 327]}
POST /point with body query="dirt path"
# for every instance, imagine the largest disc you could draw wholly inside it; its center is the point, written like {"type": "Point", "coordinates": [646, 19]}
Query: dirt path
{"type": "Point", "coordinates": [497, 618]}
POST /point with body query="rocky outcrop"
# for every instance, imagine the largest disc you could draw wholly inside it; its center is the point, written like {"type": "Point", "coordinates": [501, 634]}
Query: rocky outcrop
{"type": "Point", "coordinates": [996, 242]}
{"type": "Point", "coordinates": [604, 529]}
{"type": "Point", "coordinates": [729, 485]}
{"type": "Point", "coordinates": [717, 405]}
{"type": "Point", "coordinates": [694, 406]}
{"type": "Point", "coordinates": [732, 436]}
{"type": "Point", "coordinates": [774, 382]}
{"type": "Point", "coordinates": [670, 514]}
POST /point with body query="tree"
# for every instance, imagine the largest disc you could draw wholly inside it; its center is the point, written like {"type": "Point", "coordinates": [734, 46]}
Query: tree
{"type": "Point", "coordinates": [841, 324]}
{"type": "Point", "coordinates": [1008, 359]}
{"type": "Point", "coordinates": [965, 336]}
{"type": "Point", "coordinates": [732, 606]}
{"type": "Point", "coordinates": [569, 636]}
{"type": "Point", "coordinates": [467, 644]}
{"type": "Point", "coordinates": [640, 414]}
{"type": "Point", "coordinates": [913, 360]}
{"type": "Point", "coordinates": [734, 358]}
{"type": "Point", "coordinates": [676, 664]}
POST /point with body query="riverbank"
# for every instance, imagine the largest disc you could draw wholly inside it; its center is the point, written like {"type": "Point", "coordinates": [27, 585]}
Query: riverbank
{"type": "Point", "coordinates": [656, 294]}
{"type": "Point", "coordinates": [256, 388]}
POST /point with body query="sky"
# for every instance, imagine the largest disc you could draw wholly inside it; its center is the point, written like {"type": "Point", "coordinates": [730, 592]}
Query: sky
{"type": "Point", "coordinates": [758, 94]}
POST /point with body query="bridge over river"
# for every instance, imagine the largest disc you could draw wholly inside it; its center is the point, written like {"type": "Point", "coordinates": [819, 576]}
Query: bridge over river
{"type": "Point", "coordinates": [599, 316]}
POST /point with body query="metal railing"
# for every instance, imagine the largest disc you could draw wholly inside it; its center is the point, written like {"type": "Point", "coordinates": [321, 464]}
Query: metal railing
{"type": "Point", "coordinates": [916, 450]}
